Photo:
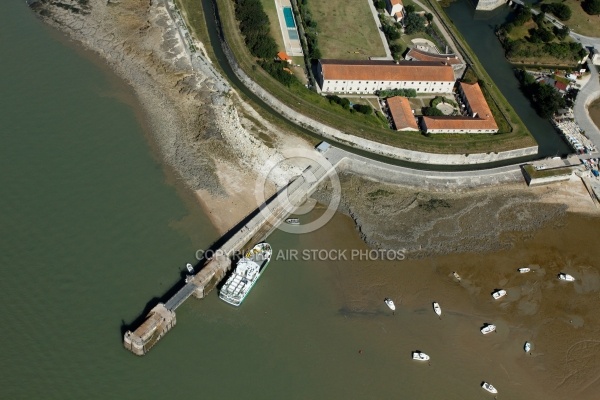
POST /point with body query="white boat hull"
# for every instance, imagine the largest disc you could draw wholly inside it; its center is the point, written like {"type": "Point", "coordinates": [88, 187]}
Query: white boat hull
{"type": "Point", "coordinates": [488, 329]}
{"type": "Point", "coordinates": [527, 347]}
{"type": "Point", "coordinates": [437, 309]}
{"type": "Point", "coordinates": [499, 294]}
{"type": "Point", "coordinates": [489, 387]}
{"type": "Point", "coordinates": [419, 356]}
{"type": "Point", "coordinates": [390, 304]}
{"type": "Point", "coordinates": [524, 270]}
{"type": "Point", "coordinates": [566, 277]}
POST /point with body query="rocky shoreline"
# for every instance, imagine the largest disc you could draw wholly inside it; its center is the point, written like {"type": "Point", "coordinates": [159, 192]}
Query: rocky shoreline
{"type": "Point", "coordinates": [192, 113]}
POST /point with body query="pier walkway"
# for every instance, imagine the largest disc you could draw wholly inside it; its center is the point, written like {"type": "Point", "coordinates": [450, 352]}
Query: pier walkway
{"type": "Point", "coordinates": [254, 228]}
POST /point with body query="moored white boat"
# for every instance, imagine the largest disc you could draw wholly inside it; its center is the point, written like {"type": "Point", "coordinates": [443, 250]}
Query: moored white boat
{"type": "Point", "coordinates": [293, 221]}
{"type": "Point", "coordinates": [190, 268]}
{"type": "Point", "coordinates": [246, 273]}
{"type": "Point", "coordinates": [499, 293]}
{"type": "Point", "coordinates": [390, 304]}
{"type": "Point", "coordinates": [489, 387]}
{"type": "Point", "coordinates": [419, 356]}
{"type": "Point", "coordinates": [524, 270]}
{"type": "Point", "coordinates": [527, 347]}
{"type": "Point", "coordinates": [457, 276]}
{"type": "Point", "coordinates": [488, 328]}
{"type": "Point", "coordinates": [566, 277]}
{"type": "Point", "coordinates": [437, 309]}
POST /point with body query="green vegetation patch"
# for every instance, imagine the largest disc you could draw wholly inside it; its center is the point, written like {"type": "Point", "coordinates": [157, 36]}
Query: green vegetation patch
{"type": "Point", "coordinates": [546, 173]}
{"type": "Point", "coordinates": [433, 204]}
{"type": "Point", "coordinates": [378, 194]}
{"type": "Point", "coordinates": [346, 30]}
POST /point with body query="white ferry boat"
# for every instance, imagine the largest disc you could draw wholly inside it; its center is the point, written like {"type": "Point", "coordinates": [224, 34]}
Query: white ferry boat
{"type": "Point", "coordinates": [437, 309]}
{"type": "Point", "coordinates": [419, 356]}
{"type": "Point", "coordinates": [489, 387]}
{"type": "Point", "coordinates": [524, 270]}
{"type": "Point", "coordinates": [488, 328]}
{"type": "Point", "coordinates": [246, 273]}
{"type": "Point", "coordinates": [390, 304]}
{"type": "Point", "coordinates": [498, 294]}
{"type": "Point", "coordinates": [565, 277]}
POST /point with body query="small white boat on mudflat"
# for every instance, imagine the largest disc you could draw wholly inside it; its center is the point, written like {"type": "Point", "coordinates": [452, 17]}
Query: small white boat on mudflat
{"type": "Point", "coordinates": [565, 277]}
{"type": "Point", "coordinates": [390, 304]}
{"type": "Point", "coordinates": [456, 276]}
{"type": "Point", "coordinates": [527, 347]}
{"type": "Point", "coordinates": [488, 328]}
{"type": "Point", "coordinates": [437, 309]}
{"type": "Point", "coordinates": [524, 270]}
{"type": "Point", "coordinates": [419, 356]}
{"type": "Point", "coordinates": [489, 387]}
{"type": "Point", "coordinates": [190, 268]}
{"type": "Point", "coordinates": [498, 294]}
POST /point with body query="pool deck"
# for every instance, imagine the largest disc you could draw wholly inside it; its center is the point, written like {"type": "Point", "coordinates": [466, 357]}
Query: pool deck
{"type": "Point", "coordinates": [293, 47]}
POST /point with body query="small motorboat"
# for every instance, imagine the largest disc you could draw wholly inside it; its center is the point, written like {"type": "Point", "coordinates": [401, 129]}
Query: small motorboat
{"type": "Point", "coordinates": [527, 347]}
{"type": "Point", "coordinates": [489, 387]}
{"type": "Point", "coordinates": [565, 277]}
{"type": "Point", "coordinates": [488, 328]}
{"type": "Point", "coordinates": [437, 308]}
{"type": "Point", "coordinates": [390, 304]}
{"type": "Point", "coordinates": [419, 356]}
{"type": "Point", "coordinates": [498, 294]}
{"type": "Point", "coordinates": [524, 270]}
{"type": "Point", "coordinates": [190, 268]}
{"type": "Point", "coordinates": [457, 276]}
{"type": "Point", "coordinates": [293, 221]}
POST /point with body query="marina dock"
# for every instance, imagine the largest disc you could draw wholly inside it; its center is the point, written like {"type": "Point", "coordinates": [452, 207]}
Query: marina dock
{"type": "Point", "coordinates": [254, 228]}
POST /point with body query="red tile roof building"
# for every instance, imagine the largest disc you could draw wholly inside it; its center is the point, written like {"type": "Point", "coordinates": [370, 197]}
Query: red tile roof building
{"type": "Point", "coordinates": [401, 113]}
{"type": "Point", "coordinates": [369, 76]}
{"type": "Point", "coordinates": [480, 119]}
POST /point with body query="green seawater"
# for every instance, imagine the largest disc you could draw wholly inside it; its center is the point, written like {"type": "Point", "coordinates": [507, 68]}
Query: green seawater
{"type": "Point", "coordinates": [93, 227]}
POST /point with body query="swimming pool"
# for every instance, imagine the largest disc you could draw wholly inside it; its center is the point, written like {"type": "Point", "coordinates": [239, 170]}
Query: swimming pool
{"type": "Point", "coordinates": [293, 34]}
{"type": "Point", "coordinates": [289, 17]}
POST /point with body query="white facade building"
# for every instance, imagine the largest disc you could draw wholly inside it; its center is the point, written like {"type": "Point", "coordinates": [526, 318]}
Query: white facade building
{"type": "Point", "coordinates": [368, 77]}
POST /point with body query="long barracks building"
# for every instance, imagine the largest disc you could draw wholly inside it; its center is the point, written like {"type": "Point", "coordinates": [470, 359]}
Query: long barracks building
{"type": "Point", "coordinates": [368, 77]}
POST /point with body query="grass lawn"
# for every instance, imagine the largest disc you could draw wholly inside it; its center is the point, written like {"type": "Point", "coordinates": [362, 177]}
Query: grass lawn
{"type": "Point", "coordinates": [580, 21]}
{"type": "Point", "coordinates": [271, 11]}
{"type": "Point", "coordinates": [347, 29]}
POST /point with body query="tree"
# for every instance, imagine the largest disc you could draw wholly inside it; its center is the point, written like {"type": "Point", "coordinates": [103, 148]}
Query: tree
{"type": "Point", "coordinates": [561, 34]}
{"type": "Point", "coordinates": [413, 23]}
{"type": "Point", "coordinates": [561, 11]}
{"type": "Point", "coordinates": [363, 108]}
{"type": "Point", "coordinates": [591, 7]}
{"type": "Point", "coordinates": [380, 4]}
{"type": "Point", "coordinates": [432, 111]}
{"type": "Point", "coordinates": [429, 17]}
{"type": "Point", "coordinates": [409, 9]}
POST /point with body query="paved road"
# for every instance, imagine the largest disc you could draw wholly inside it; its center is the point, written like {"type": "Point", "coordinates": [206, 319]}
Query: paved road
{"type": "Point", "coordinates": [344, 160]}
{"type": "Point", "coordinates": [586, 95]}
